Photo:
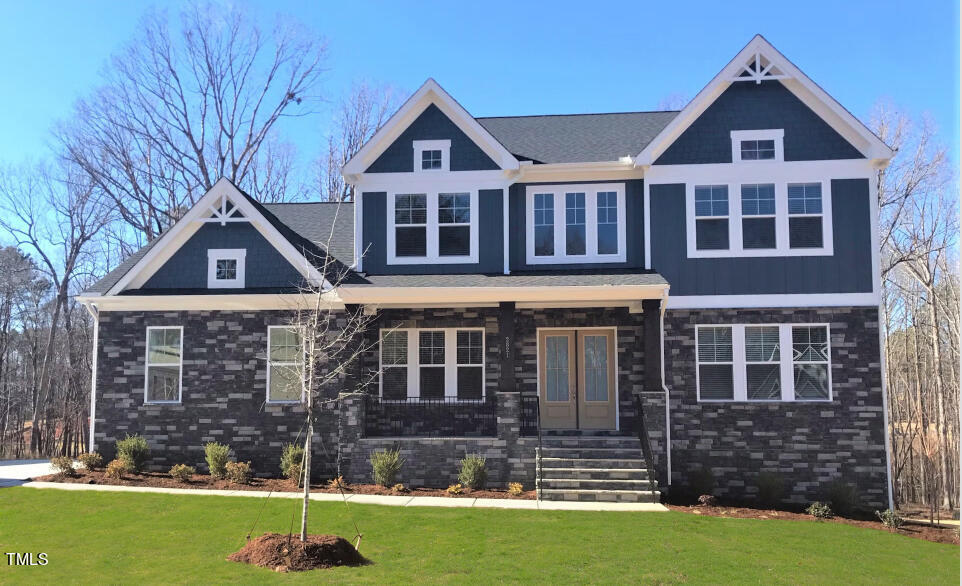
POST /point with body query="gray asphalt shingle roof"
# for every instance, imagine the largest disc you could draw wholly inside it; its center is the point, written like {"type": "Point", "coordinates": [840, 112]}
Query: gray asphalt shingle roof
{"type": "Point", "coordinates": [577, 138]}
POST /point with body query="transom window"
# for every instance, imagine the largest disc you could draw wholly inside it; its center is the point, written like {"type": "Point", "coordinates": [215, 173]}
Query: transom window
{"type": "Point", "coordinates": [771, 362]}
{"type": "Point", "coordinates": [163, 367]}
{"type": "Point", "coordinates": [433, 228]}
{"type": "Point", "coordinates": [225, 268]}
{"type": "Point", "coordinates": [285, 364]}
{"type": "Point", "coordinates": [575, 223]}
{"type": "Point", "coordinates": [432, 364]}
{"type": "Point", "coordinates": [750, 146]}
{"type": "Point", "coordinates": [757, 150]}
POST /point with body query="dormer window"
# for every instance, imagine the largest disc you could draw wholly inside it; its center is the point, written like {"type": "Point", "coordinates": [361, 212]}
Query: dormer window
{"type": "Point", "coordinates": [749, 146]}
{"type": "Point", "coordinates": [432, 155]}
{"type": "Point", "coordinates": [225, 268]}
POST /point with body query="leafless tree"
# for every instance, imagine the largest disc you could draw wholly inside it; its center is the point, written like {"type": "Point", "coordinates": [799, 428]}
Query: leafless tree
{"type": "Point", "coordinates": [673, 101]}
{"type": "Point", "coordinates": [357, 117]}
{"type": "Point", "coordinates": [180, 109]}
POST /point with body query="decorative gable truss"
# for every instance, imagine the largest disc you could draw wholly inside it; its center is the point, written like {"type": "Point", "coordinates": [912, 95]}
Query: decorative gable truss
{"type": "Point", "coordinates": [224, 203]}
{"type": "Point", "coordinates": [759, 61]}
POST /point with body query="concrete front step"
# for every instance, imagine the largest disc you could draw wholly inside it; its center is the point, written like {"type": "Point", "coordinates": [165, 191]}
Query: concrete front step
{"type": "Point", "coordinates": [617, 496]}
{"type": "Point", "coordinates": [625, 443]}
{"type": "Point", "coordinates": [595, 484]}
{"type": "Point", "coordinates": [594, 463]}
{"type": "Point", "coordinates": [590, 453]}
{"type": "Point", "coordinates": [618, 473]}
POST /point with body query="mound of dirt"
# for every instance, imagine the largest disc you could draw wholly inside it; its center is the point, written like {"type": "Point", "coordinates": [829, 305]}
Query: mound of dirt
{"type": "Point", "coordinates": [284, 553]}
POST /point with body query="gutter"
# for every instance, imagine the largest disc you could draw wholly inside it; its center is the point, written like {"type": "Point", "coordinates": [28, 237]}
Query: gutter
{"type": "Point", "coordinates": [664, 303]}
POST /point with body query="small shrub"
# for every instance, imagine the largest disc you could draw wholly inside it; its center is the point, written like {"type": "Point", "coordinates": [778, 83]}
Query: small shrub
{"type": "Point", "coordinates": [91, 461]}
{"type": "Point", "coordinates": [338, 483]}
{"type": "Point", "coordinates": [116, 469]}
{"type": "Point", "coordinates": [399, 488]}
{"type": "Point", "coordinates": [217, 456]}
{"type": "Point", "coordinates": [515, 488]}
{"type": "Point", "coordinates": [386, 465]}
{"type": "Point", "coordinates": [63, 465]}
{"type": "Point", "coordinates": [701, 481]}
{"type": "Point", "coordinates": [707, 500]}
{"type": "Point", "coordinates": [820, 510]}
{"type": "Point", "coordinates": [474, 472]}
{"type": "Point", "coordinates": [771, 489]}
{"type": "Point", "coordinates": [134, 450]}
{"type": "Point", "coordinates": [890, 519]}
{"type": "Point", "coordinates": [239, 472]}
{"type": "Point", "coordinates": [292, 458]}
{"type": "Point", "coordinates": [182, 472]}
{"type": "Point", "coordinates": [455, 489]}
{"type": "Point", "coordinates": [843, 498]}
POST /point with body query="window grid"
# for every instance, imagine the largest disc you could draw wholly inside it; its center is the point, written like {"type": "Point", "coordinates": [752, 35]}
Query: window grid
{"type": "Point", "coordinates": [607, 222]}
{"type": "Point", "coordinates": [450, 361]}
{"type": "Point", "coordinates": [226, 269]}
{"type": "Point", "coordinates": [575, 224]}
{"type": "Point", "coordinates": [163, 364]}
{"type": "Point", "coordinates": [715, 362]}
{"type": "Point", "coordinates": [711, 201]}
{"type": "Point", "coordinates": [544, 224]}
{"type": "Point", "coordinates": [430, 159]}
{"type": "Point", "coordinates": [810, 363]}
{"type": "Point", "coordinates": [762, 353]}
{"type": "Point", "coordinates": [758, 150]}
{"type": "Point", "coordinates": [285, 364]}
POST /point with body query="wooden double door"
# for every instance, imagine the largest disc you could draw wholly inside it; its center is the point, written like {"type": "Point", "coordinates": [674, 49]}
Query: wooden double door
{"type": "Point", "coordinates": [576, 378]}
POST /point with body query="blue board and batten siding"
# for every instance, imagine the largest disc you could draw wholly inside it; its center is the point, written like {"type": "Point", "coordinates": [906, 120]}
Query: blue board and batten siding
{"type": "Point", "coordinates": [490, 238]}
{"type": "Point", "coordinates": [849, 270]}
{"type": "Point", "coordinates": [265, 267]}
{"type": "Point", "coordinates": [634, 229]}
{"type": "Point", "coordinates": [432, 124]}
{"type": "Point", "coordinates": [750, 106]}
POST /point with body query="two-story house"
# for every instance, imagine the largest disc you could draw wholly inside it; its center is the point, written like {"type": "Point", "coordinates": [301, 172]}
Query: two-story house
{"type": "Point", "coordinates": [556, 293]}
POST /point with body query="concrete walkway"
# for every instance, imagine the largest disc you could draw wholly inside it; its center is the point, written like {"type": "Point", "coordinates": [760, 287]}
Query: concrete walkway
{"type": "Point", "coordinates": [374, 499]}
{"type": "Point", "coordinates": [17, 472]}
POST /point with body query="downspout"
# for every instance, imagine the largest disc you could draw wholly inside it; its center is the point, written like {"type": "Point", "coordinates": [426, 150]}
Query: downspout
{"type": "Point", "coordinates": [94, 313]}
{"type": "Point", "coordinates": [664, 303]}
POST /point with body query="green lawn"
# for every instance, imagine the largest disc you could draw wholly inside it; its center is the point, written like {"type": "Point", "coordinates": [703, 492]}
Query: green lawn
{"type": "Point", "coordinates": [148, 538]}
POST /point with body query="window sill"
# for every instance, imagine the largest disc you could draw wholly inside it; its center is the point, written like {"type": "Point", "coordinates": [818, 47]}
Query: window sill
{"type": "Point", "coordinates": [760, 253]}
{"type": "Point", "coordinates": [560, 260]}
{"type": "Point", "coordinates": [764, 401]}
{"type": "Point", "coordinates": [290, 402]}
{"type": "Point", "coordinates": [162, 402]}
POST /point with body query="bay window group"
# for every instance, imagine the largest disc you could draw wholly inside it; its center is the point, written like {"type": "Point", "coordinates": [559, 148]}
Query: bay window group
{"type": "Point", "coordinates": [576, 223]}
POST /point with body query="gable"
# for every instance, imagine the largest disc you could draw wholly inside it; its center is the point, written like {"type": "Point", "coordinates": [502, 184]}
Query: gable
{"type": "Point", "coordinates": [265, 267]}
{"type": "Point", "coordinates": [432, 124]}
{"type": "Point", "coordinates": [751, 106]}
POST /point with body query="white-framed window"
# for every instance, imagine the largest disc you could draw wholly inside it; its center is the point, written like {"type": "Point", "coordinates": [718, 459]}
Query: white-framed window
{"type": "Point", "coordinates": [755, 146]}
{"type": "Point", "coordinates": [285, 364]}
{"type": "Point", "coordinates": [432, 363]}
{"type": "Point", "coordinates": [225, 268]}
{"type": "Point", "coordinates": [432, 155]}
{"type": "Point", "coordinates": [163, 364]}
{"type": "Point", "coordinates": [575, 223]}
{"type": "Point", "coordinates": [767, 217]}
{"type": "Point", "coordinates": [763, 363]}
{"type": "Point", "coordinates": [432, 227]}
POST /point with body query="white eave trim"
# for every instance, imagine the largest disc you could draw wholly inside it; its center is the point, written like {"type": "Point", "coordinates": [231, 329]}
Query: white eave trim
{"type": "Point", "coordinates": [429, 93]}
{"type": "Point", "coordinates": [843, 121]}
{"type": "Point", "coordinates": [365, 294]}
{"type": "Point", "coordinates": [235, 302]}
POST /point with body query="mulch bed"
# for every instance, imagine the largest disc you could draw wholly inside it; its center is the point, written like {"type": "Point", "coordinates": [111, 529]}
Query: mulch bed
{"type": "Point", "coordinates": [203, 481]}
{"type": "Point", "coordinates": [926, 532]}
{"type": "Point", "coordinates": [283, 553]}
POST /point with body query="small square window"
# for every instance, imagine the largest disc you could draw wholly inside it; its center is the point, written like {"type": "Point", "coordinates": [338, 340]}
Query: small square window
{"type": "Point", "coordinates": [431, 159]}
{"type": "Point", "coordinates": [226, 269]}
{"type": "Point", "coordinates": [758, 150]}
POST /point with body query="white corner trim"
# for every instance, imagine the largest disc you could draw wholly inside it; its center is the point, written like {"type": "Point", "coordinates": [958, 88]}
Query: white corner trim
{"type": "Point", "coordinates": [180, 366]}
{"type": "Point", "coordinates": [432, 145]}
{"type": "Point", "coordinates": [187, 226]}
{"type": "Point", "coordinates": [777, 135]}
{"type": "Point", "coordinates": [429, 93]}
{"type": "Point", "coordinates": [238, 255]}
{"type": "Point", "coordinates": [95, 314]}
{"type": "Point", "coordinates": [765, 301]}
{"type": "Point", "coordinates": [591, 191]}
{"type": "Point", "coordinates": [850, 127]}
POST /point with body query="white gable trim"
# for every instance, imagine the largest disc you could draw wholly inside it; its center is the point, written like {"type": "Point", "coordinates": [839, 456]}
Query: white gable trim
{"type": "Point", "coordinates": [187, 226]}
{"type": "Point", "coordinates": [840, 119]}
{"type": "Point", "coordinates": [429, 93]}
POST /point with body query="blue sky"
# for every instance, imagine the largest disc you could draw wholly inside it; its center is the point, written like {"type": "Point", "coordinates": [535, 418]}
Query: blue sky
{"type": "Point", "coordinates": [507, 58]}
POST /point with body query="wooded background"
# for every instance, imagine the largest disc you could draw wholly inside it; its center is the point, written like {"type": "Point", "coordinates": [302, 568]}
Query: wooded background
{"type": "Point", "coordinates": [187, 104]}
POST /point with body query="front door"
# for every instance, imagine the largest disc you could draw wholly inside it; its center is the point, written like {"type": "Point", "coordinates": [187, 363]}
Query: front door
{"type": "Point", "coordinates": [576, 379]}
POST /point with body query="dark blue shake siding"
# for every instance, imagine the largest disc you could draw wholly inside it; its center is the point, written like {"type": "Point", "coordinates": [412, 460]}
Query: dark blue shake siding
{"type": "Point", "coordinates": [749, 106]}
{"type": "Point", "coordinates": [848, 271]}
{"type": "Point", "coordinates": [432, 124]}
{"type": "Point", "coordinates": [187, 268]}
{"type": "Point", "coordinates": [634, 230]}
{"type": "Point", "coordinates": [490, 239]}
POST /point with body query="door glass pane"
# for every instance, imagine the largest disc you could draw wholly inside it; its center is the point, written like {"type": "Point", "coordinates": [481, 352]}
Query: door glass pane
{"type": "Point", "coordinates": [556, 368]}
{"type": "Point", "coordinates": [596, 368]}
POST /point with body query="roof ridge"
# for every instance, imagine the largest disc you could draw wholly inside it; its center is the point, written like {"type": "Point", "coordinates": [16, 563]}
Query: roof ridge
{"type": "Point", "coordinates": [582, 114]}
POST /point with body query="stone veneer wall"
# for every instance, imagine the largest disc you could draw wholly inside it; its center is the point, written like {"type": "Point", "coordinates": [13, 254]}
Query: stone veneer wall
{"type": "Point", "coordinates": [811, 445]}
{"type": "Point", "coordinates": [224, 392]}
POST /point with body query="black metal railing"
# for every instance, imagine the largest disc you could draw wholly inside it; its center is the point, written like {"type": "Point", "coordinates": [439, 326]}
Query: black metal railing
{"type": "Point", "coordinates": [641, 427]}
{"type": "Point", "coordinates": [529, 415]}
{"type": "Point", "coordinates": [444, 417]}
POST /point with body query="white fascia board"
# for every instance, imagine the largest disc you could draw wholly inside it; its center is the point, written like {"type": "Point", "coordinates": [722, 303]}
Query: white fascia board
{"type": "Point", "coordinates": [565, 172]}
{"type": "Point", "coordinates": [423, 295]}
{"type": "Point", "coordinates": [771, 301]}
{"type": "Point", "coordinates": [237, 302]}
{"type": "Point", "coordinates": [187, 226]}
{"type": "Point", "coordinates": [429, 93]}
{"type": "Point", "coordinates": [843, 121]}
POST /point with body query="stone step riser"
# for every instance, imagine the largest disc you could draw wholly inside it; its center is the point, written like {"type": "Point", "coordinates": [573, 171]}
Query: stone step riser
{"type": "Point", "coordinates": [581, 485]}
{"type": "Point", "coordinates": [581, 453]}
{"type": "Point", "coordinates": [583, 496]}
{"type": "Point", "coordinates": [603, 444]}
{"type": "Point", "coordinates": [628, 463]}
{"type": "Point", "coordinates": [595, 473]}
